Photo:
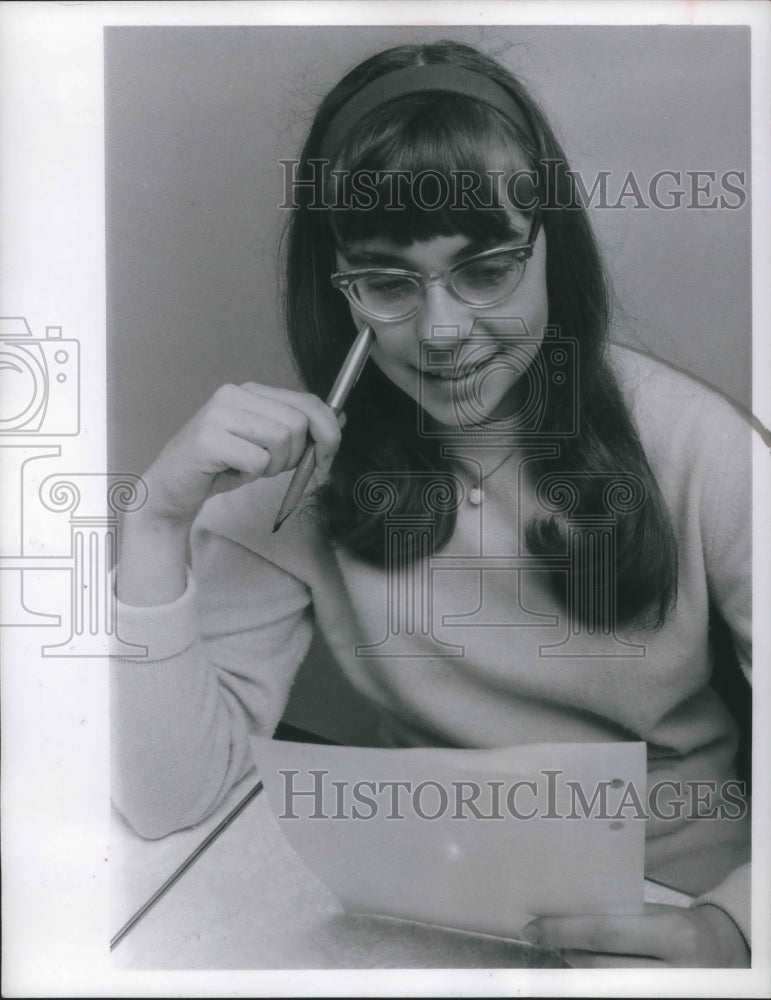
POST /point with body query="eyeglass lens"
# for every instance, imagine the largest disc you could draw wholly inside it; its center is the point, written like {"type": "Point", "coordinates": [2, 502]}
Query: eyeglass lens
{"type": "Point", "coordinates": [483, 281]}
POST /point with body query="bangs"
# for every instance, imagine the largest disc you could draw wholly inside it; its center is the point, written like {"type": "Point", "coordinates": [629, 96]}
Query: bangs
{"type": "Point", "coordinates": [423, 166]}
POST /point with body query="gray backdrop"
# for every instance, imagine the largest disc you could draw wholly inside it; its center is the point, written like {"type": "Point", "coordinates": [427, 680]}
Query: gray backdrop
{"type": "Point", "coordinates": [197, 119]}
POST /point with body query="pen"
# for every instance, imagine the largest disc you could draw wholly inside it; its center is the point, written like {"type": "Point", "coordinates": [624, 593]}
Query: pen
{"type": "Point", "coordinates": [187, 863]}
{"type": "Point", "coordinates": [345, 381]}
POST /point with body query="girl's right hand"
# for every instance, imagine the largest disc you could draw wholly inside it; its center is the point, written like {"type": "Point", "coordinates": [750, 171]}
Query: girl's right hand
{"type": "Point", "coordinates": [242, 434]}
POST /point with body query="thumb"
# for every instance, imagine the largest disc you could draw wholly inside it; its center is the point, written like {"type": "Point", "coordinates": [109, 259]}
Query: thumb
{"type": "Point", "coordinates": [231, 479]}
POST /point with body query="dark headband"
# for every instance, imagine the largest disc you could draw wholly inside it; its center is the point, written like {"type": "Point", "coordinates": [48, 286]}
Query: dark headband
{"type": "Point", "coordinates": [414, 79]}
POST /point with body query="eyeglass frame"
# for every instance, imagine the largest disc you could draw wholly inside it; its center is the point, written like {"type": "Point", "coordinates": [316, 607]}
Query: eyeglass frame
{"type": "Point", "coordinates": [342, 279]}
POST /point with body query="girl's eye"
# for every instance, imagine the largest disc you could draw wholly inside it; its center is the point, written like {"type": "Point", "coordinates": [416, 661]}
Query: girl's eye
{"type": "Point", "coordinates": [486, 273]}
{"type": "Point", "coordinates": [386, 285]}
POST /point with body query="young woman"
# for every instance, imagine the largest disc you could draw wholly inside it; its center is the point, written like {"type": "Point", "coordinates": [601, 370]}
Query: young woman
{"type": "Point", "coordinates": [433, 203]}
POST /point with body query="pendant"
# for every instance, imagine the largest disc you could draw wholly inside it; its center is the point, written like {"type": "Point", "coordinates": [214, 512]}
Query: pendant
{"type": "Point", "coordinates": [475, 496]}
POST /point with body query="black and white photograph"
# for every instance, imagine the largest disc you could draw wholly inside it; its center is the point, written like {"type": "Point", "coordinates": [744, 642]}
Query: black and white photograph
{"type": "Point", "coordinates": [383, 529]}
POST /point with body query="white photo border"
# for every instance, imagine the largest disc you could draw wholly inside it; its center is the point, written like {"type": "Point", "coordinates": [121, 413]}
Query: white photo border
{"type": "Point", "coordinates": [55, 720]}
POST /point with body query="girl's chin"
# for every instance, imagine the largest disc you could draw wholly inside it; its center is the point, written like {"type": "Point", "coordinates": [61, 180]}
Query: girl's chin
{"type": "Point", "coordinates": [470, 412]}
{"type": "Point", "coordinates": [462, 417]}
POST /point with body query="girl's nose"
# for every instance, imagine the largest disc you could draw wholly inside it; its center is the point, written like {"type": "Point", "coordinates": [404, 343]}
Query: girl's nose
{"type": "Point", "coordinates": [442, 316]}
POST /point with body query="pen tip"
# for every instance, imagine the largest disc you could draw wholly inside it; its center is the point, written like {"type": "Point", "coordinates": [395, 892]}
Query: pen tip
{"type": "Point", "coordinates": [278, 523]}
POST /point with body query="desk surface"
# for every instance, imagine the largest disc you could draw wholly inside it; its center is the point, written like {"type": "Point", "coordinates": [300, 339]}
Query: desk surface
{"type": "Point", "coordinates": [249, 902]}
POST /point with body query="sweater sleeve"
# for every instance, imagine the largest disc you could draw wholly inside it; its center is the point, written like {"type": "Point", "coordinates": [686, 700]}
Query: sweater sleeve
{"type": "Point", "coordinates": [726, 515]}
{"type": "Point", "coordinates": [733, 897]}
{"type": "Point", "coordinates": [726, 524]}
{"type": "Point", "coordinates": [220, 664]}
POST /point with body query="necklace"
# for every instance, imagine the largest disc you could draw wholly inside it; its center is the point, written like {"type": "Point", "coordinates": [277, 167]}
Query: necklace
{"type": "Point", "coordinates": [476, 494]}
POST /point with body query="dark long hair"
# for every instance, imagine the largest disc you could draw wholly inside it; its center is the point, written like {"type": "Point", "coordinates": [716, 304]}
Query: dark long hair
{"type": "Point", "coordinates": [596, 436]}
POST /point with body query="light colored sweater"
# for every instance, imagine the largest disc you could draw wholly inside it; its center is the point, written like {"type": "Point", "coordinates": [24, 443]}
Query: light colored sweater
{"type": "Point", "coordinates": [223, 657]}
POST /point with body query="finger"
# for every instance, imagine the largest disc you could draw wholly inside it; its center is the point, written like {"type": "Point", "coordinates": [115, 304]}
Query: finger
{"type": "Point", "coordinates": [319, 420]}
{"type": "Point", "coordinates": [593, 960]}
{"type": "Point", "coordinates": [284, 436]}
{"type": "Point", "coordinates": [323, 422]}
{"type": "Point", "coordinates": [646, 934]}
{"type": "Point", "coordinates": [235, 454]}
{"type": "Point", "coordinates": [229, 401]}
{"type": "Point", "coordinates": [230, 479]}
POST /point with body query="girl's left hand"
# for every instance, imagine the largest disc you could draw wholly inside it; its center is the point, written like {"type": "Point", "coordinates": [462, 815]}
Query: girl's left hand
{"type": "Point", "coordinates": [702, 937]}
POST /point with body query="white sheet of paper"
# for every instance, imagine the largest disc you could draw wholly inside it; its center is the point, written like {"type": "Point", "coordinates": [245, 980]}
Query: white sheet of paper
{"type": "Point", "coordinates": [553, 829]}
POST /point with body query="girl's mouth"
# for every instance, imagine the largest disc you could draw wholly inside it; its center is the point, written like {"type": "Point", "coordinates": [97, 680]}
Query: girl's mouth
{"type": "Point", "coordinates": [458, 373]}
